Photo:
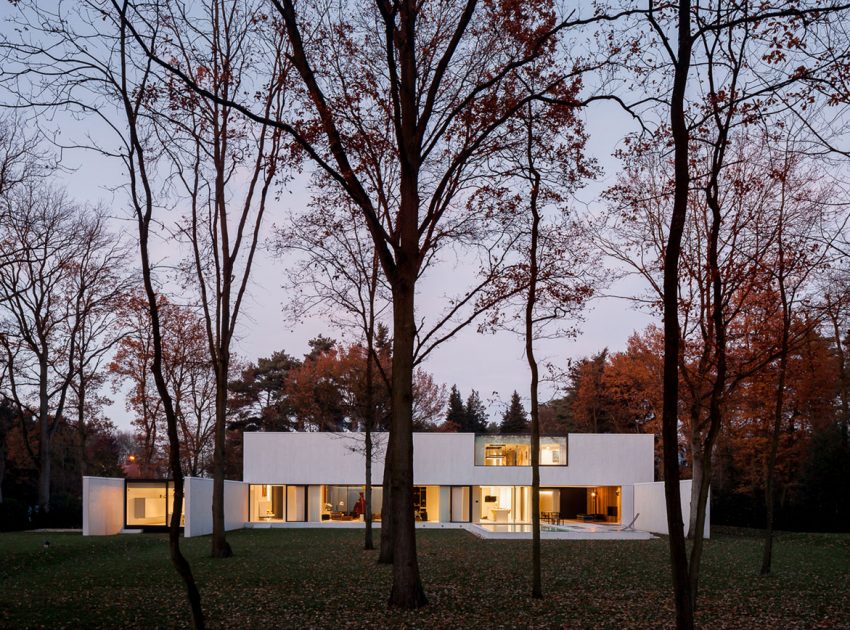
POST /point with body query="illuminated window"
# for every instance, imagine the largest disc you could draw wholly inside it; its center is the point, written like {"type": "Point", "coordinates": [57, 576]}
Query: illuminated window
{"type": "Point", "coordinates": [348, 503]}
{"type": "Point", "coordinates": [515, 450]}
{"type": "Point", "coordinates": [266, 503]}
{"type": "Point", "coordinates": [149, 503]}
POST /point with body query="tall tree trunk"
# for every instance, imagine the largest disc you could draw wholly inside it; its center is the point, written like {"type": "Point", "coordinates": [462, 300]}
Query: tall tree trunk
{"type": "Point", "coordinates": [385, 555]}
{"type": "Point", "coordinates": [536, 579]}
{"type": "Point", "coordinates": [844, 390]}
{"type": "Point", "coordinates": [531, 300]}
{"type": "Point", "coordinates": [779, 404]}
{"type": "Point", "coordinates": [717, 396]}
{"type": "Point", "coordinates": [697, 475]}
{"type": "Point", "coordinates": [3, 434]}
{"type": "Point", "coordinates": [371, 407]}
{"type": "Point", "coordinates": [407, 591]}
{"type": "Point", "coordinates": [220, 546]}
{"type": "Point", "coordinates": [44, 468]}
{"type": "Point", "coordinates": [769, 490]}
{"type": "Point", "coordinates": [670, 406]}
{"type": "Point", "coordinates": [179, 561]}
{"type": "Point", "coordinates": [142, 198]}
{"type": "Point", "coordinates": [81, 424]}
{"type": "Point", "coordinates": [695, 410]}
{"type": "Point", "coordinates": [368, 542]}
{"type": "Point", "coordinates": [697, 534]}
{"type": "Point", "coordinates": [703, 456]}
{"type": "Point", "coordinates": [44, 462]}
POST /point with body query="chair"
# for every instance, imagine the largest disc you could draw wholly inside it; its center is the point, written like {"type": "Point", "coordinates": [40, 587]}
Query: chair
{"type": "Point", "coordinates": [630, 526]}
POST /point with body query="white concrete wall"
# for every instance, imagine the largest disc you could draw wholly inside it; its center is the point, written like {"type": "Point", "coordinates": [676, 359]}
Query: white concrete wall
{"type": "Point", "coordinates": [235, 504]}
{"type": "Point", "coordinates": [198, 506]}
{"type": "Point", "coordinates": [627, 504]}
{"type": "Point", "coordinates": [650, 503]}
{"type": "Point", "coordinates": [441, 459]}
{"type": "Point", "coordinates": [103, 506]}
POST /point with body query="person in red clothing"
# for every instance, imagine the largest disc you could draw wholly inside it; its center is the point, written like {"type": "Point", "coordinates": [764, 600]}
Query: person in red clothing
{"type": "Point", "coordinates": [360, 506]}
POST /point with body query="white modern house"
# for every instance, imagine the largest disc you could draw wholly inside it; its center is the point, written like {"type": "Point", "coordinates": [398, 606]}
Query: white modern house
{"type": "Point", "coordinates": [318, 480]}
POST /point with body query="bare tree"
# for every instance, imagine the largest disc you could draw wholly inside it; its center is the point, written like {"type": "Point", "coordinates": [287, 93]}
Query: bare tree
{"type": "Point", "coordinates": [836, 300]}
{"type": "Point", "coordinates": [132, 363]}
{"type": "Point", "coordinates": [79, 59]}
{"type": "Point", "coordinates": [22, 157]}
{"type": "Point", "coordinates": [100, 286]}
{"type": "Point", "coordinates": [188, 371]}
{"type": "Point", "coordinates": [404, 143]}
{"type": "Point", "coordinates": [213, 150]}
{"type": "Point", "coordinates": [691, 39]}
{"type": "Point", "coordinates": [799, 265]}
{"type": "Point", "coordinates": [338, 274]}
{"type": "Point", "coordinates": [543, 290]}
{"type": "Point", "coordinates": [55, 294]}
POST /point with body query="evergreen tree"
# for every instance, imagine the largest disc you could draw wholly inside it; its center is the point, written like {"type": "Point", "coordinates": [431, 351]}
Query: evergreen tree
{"type": "Point", "coordinates": [318, 346]}
{"type": "Point", "coordinates": [383, 341]}
{"type": "Point", "coordinates": [515, 419]}
{"type": "Point", "coordinates": [258, 401]}
{"type": "Point", "coordinates": [475, 420]}
{"type": "Point", "coordinates": [456, 412]}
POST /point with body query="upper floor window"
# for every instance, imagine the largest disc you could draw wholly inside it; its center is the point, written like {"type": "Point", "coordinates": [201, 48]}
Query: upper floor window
{"type": "Point", "coordinates": [515, 450]}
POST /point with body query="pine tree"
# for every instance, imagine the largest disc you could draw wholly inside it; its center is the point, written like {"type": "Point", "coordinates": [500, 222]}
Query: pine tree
{"type": "Point", "coordinates": [515, 419]}
{"type": "Point", "coordinates": [456, 413]}
{"type": "Point", "coordinates": [476, 414]}
{"type": "Point", "coordinates": [318, 346]}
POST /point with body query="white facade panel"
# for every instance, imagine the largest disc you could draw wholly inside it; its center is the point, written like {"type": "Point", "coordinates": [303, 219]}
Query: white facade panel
{"type": "Point", "coordinates": [198, 506]}
{"type": "Point", "coordinates": [308, 458]}
{"type": "Point", "coordinates": [441, 459]}
{"type": "Point", "coordinates": [650, 503]}
{"type": "Point", "coordinates": [103, 506]}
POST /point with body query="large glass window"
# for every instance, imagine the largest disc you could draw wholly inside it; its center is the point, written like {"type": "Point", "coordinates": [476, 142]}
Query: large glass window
{"type": "Point", "coordinates": [426, 503]}
{"type": "Point", "coordinates": [266, 503]}
{"type": "Point", "coordinates": [596, 504]}
{"type": "Point", "coordinates": [505, 504]}
{"type": "Point", "coordinates": [296, 503]}
{"type": "Point", "coordinates": [348, 503]}
{"type": "Point", "coordinates": [149, 503]}
{"type": "Point", "coordinates": [277, 503]}
{"type": "Point", "coordinates": [515, 450]}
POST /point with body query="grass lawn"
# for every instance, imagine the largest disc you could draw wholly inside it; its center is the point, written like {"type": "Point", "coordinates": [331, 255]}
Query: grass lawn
{"type": "Point", "coordinates": [317, 578]}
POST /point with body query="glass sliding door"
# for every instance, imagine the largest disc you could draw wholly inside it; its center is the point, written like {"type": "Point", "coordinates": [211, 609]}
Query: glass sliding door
{"type": "Point", "coordinates": [522, 504]}
{"type": "Point", "coordinates": [426, 503]}
{"type": "Point", "coordinates": [296, 503]}
{"type": "Point", "coordinates": [495, 504]}
{"type": "Point", "coordinates": [550, 505]}
{"type": "Point", "coordinates": [266, 503]}
{"type": "Point", "coordinates": [505, 504]}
